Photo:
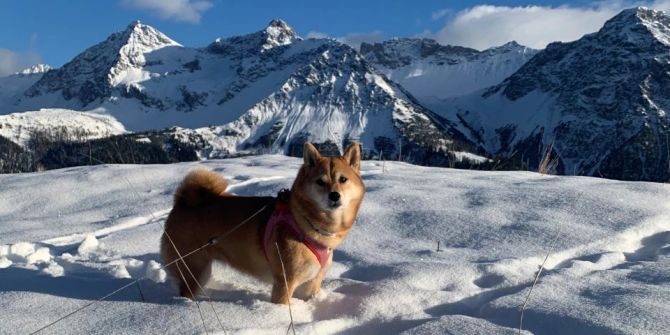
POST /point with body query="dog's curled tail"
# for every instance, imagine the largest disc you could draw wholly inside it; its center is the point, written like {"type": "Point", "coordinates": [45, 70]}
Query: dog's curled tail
{"type": "Point", "coordinates": [198, 186]}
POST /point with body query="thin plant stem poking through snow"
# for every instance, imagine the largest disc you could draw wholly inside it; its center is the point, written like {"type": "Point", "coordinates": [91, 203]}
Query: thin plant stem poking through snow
{"type": "Point", "coordinates": [290, 312]}
{"type": "Point", "coordinates": [537, 277]}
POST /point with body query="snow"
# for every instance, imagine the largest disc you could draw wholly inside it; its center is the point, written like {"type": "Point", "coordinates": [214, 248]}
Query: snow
{"type": "Point", "coordinates": [4, 262]}
{"type": "Point", "coordinates": [18, 127]}
{"type": "Point", "coordinates": [155, 273]}
{"type": "Point", "coordinates": [70, 236]}
{"type": "Point", "coordinates": [467, 156]}
{"type": "Point", "coordinates": [90, 243]}
{"type": "Point", "coordinates": [35, 69]}
{"type": "Point", "coordinates": [526, 115]}
{"type": "Point", "coordinates": [41, 255]}
{"type": "Point", "coordinates": [446, 74]}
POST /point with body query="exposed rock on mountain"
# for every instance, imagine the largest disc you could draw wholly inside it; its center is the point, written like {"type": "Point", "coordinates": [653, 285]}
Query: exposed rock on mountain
{"type": "Point", "coordinates": [601, 100]}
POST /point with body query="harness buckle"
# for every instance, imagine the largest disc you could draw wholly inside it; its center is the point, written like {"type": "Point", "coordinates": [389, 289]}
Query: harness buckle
{"type": "Point", "coordinates": [283, 195]}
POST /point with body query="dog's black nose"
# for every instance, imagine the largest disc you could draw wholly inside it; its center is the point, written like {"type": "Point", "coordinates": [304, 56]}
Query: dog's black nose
{"type": "Point", "coordinates": [334, 196]}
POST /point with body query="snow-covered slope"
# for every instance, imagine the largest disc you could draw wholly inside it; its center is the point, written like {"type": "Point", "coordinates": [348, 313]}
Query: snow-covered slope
{"type": "Point", "coordinates": [72, 125]}
{"type": "Point", "coordinates": [429, 70]}
{"type": "Point", "coordinates": [13, 87]}
{"type": "Point", "coordinates": [68, 237]}
{"type": "Point", "coordinates": [601, 100]}
{"type": "Point", "coordinates": [269, 90]}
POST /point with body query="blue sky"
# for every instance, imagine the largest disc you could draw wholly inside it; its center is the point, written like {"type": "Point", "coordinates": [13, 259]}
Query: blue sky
{"type": "Point", "coordinates": [53, 32]}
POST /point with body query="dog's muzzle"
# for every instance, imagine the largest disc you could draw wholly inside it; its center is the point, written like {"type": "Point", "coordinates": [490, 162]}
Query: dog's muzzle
{"type": "Point", "coordinates": [334, 199]}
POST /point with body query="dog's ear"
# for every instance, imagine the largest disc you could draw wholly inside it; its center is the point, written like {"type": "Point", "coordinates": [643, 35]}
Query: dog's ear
{"type": "Point", "coordinates": [310, 155]}
{"type": "Point", "coordinates": [353, 156]}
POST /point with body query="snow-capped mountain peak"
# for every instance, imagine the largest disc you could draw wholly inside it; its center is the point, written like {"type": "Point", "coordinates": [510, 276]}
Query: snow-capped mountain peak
{"type": "Point", "coordinates": [640, 26]}
{"type": "Point", "coordinates": [119, 59]}
{"type": "Point", "coordinates": [35, 69]}
{"type": "Point", "coordinates": [138, 39]}
{"type": "Point", "coordinates": [511, 46]}
{"type": "Point", "coordinates": [277, 33]}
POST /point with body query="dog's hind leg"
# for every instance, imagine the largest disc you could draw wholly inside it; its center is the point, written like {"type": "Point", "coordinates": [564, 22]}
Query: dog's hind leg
{"type": "Point", "coordinates": [196, 270]}
{"type": "Point", "coordinates": [190, 273]}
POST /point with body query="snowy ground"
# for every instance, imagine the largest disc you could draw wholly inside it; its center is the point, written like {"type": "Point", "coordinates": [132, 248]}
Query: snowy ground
{"type": "Point", "coordinates": [70, 236]}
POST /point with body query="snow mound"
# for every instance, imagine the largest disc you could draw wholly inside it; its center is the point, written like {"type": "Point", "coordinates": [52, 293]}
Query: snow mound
{"type": "Point", "coordinates": [22, 249]}
{"type": "Point", "coordinates": [4, 262]}
{"type": "Point", "coordinates": [88, 245]}
{"type": "Point", "coordinates": [4, 250]}
{"type": "Point", "coordinates": [41, 255]}
{"type": "Point", "coordinates": [54, 270]}
{"type": "Point", "coordinates": [155, 273]}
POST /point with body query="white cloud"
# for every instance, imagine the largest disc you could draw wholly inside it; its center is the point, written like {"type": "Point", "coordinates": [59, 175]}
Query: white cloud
{"type": "Point", "coordinates": [663, 5]}
{"type": "Point", "coordinates": [12, 62]}
{"type": "Point", "coordinates": [352, 39]}
{"type": "Point", "coordinates": [484, 26]}
{"type": "Point", "coordinates": [317, 34]}
{"type": "Point", "coordinates": [178, 10]}
{"type": "Point", "coordinates": [436, 15]}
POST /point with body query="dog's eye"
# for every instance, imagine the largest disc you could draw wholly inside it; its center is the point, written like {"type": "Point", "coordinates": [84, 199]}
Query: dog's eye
{"type": "Point", "coordinates": [320, 182]}
{"type": "Point", "coordinates": [343, 179]}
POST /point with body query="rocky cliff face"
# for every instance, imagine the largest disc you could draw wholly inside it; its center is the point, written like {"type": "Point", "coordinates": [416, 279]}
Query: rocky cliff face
{"type": "Point", "coordinates": [601, 100]}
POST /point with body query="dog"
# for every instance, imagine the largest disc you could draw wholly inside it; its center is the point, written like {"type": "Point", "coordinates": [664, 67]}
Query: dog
{"type": "Point", "coordinates": [287, 241]}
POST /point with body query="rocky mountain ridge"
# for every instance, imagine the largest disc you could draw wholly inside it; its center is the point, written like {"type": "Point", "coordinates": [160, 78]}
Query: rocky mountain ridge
{"type": "Point", "coordinates": [599, 101]}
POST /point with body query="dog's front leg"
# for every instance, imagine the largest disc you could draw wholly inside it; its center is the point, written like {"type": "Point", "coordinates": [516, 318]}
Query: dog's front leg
{"type": "Point", "coordinates": [312, 287]}
{"type": "Point", "coordinates": [280, 293]}
{"type": "Point", "coordinates": [286, 274]}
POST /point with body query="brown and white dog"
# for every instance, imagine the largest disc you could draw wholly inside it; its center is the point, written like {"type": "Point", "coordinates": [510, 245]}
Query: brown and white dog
{"type": "Point", "coordinates": [304, 228]}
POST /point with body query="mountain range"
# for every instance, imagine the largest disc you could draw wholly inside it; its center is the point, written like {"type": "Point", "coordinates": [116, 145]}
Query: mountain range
{"type": "Point", "coordinates": [597, 105]}
{"type": "Point", "coordinates": [269, 90]}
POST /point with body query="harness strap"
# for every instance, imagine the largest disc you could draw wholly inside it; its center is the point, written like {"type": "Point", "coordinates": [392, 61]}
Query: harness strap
{"type": "Point", "coordinates": [282, 216]}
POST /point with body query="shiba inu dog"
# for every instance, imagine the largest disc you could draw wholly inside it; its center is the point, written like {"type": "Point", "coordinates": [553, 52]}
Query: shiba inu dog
{"type": "Point", "coordinates": [302, 226]}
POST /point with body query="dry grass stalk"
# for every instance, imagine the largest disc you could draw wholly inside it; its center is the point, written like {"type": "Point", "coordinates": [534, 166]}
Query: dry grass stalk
{"type": "Point", "coordinates": [548, 164]}
{"type": "Point", "coordinates": [290, 312]}
{"type": "Point", "coordinates": [537, 277]}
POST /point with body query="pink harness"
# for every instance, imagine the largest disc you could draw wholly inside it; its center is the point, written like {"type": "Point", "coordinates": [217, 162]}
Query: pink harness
{"type": "Point", "coordinates": [282, 216]}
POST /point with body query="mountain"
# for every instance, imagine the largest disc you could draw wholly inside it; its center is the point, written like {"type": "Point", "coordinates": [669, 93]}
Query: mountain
{"type": "Point", "coordinates": [18, 127]}
{"type": "Point", "coordinates": [600, 102]}
{"type": "Point", "coordinates": [93, 74]}
{"type": "Point", "coordinates": [266, 91]}
{"type": "Point", "coordinates": [35, 69]}
{"type": "Point", "coordinates": [13, 87]}
{"type": "Point", "coordinates": [430, 70]}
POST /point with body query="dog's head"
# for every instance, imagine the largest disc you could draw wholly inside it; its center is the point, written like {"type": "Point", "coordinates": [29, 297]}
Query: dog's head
{"type": "Point", "coordinates": [332, 184]}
